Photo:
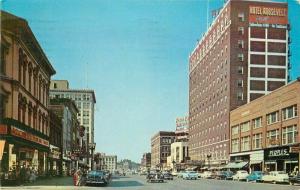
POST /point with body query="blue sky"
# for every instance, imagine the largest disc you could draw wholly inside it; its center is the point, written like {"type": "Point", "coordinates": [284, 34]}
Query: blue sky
{"type": "Point", "coordinates": [133, 53]}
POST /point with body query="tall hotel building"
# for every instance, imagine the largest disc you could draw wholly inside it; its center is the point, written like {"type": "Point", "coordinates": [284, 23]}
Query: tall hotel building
{"type": "Point", "coordinates": [85, 101]}
{"type": "Point", "coordinates": [243, 55]}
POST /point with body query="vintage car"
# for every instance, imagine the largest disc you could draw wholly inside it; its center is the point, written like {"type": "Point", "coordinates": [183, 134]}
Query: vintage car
{"type": "Point", "coordinates": [190, 175]}
{"type": "Point", "coordinates": [295, 179]}
{"type": "Point", "coordinates": [276, 177]}
{"type": "Point", "coordinates": [240, 175]}
{"type": "Point", "coordinates": [180, 173]}
{"type": "Point", "coordinates": [97, 177]}
{"type": "Point", "coordinates": [224, 175]}
{"type": "Point", "coordinates": [167, 176]}
{"type": "Point", "coordinates": [255, 176]}
{"type": "Point", "coordinates": [206, 175]}
{"type": "Point", "coordinates": [155, 178]}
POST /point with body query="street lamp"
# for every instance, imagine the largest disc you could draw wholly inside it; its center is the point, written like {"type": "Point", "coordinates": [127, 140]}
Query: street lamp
{"type": "Point", "coordinates": [92, 146]}
{"type": "Point", "coordinates": [208, 158]}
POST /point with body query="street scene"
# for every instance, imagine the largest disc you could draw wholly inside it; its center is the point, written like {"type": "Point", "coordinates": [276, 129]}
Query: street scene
{"type": "Point", "coordinates": [138, 94]}
{"type": "Point", "coordinates": [139, 182]}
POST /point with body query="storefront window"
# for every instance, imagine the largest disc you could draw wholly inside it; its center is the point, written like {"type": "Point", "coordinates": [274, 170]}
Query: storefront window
{"type": "Point", "coordinates": [289, 134]}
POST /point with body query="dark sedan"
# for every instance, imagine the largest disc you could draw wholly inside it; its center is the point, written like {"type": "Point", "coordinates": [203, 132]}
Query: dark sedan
{"type": "Point", "coordinates": [97, 177]}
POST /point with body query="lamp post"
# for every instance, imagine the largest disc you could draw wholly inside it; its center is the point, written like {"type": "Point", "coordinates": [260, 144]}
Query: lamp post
{"type": "Point", "coordinates": [208, 159]}
{"type": "Point", "coordinates": [92, 146]}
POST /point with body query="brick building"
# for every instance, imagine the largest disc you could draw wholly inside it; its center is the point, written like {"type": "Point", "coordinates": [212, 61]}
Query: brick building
{"type": "Point", "coordinates": [263, 131]}
{"type": "Point", "coordinates": [161, 148]}
{"type": "Point", "coordinates": [243, 55]}
{"type": "Point", "coordinates": [146, 160]}
{"type": "Point", "coordinates": [24, 90]}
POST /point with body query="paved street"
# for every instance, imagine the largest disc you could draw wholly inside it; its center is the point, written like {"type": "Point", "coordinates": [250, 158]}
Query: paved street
{"type": "Point", "coordinates": [139, 182]}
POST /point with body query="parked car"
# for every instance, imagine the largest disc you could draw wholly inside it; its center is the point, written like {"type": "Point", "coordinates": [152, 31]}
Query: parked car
{"type": "Point", "coordinates": [224, 175]}
{"type": "Point", "coordinates": [206, 175]}
{"type": "Point", "coordinates": [294, 179]}
{"type": "Point", "coordinates": [190, 175]}
{"type": "Point", "coordinates": [174, 173]}
{"type": "Point", "coordinates": [255, 176]}
{"type": "Point", "coordinates": [240, 175]}
{"type": "Point", "coordinates": [167, 176]}
{"type": "Point", "coordinates": [276, 177]}
{"type": "Point", "coordinates": [155, 178]}
{"type": "Point", "coordinates": [96, 177]}
{"type": "Point", "coordinates": [180, 173]}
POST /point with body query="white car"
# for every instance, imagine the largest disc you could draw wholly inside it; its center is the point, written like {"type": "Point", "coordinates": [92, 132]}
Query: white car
{"type": "Point", "coordinates": [240, 175]}
{"type": "Point", "coordinates": [276, 177]}
{"type": "Point", "coordinates": [206, 174]}
{"type": "Point", "coordinates": [190, 175]}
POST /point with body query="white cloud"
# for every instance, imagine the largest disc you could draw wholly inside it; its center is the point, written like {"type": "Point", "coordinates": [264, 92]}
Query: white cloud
{"type": "Point", "coordinates": [298, 1]}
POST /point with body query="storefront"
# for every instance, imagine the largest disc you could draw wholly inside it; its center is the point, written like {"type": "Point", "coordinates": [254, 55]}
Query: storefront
{"type": "Point", "coordinates": [23, 147]}
{"type": "Point", "coordinates": [280, 159]}
{"type": "Point", "coordinates": [55, 161]}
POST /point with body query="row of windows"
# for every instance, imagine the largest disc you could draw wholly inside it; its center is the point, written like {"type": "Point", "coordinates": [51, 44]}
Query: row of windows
{"type": "Point", "coordinates": [211, 38]}
{"type": "Point", "coordinates": [30, 75]}
{"type": "Point", "coordinates": [30, 115]}
{"type": "Point", "coordinates": [289, 136]}
{"type": "Point", "coordinates": [287, 113]}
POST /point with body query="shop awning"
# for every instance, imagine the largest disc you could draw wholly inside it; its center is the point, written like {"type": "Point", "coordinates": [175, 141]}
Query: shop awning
{"type": "Point", "coordinates": [236, 165]}
{"type": "Point", "coordinates": [255, 162]}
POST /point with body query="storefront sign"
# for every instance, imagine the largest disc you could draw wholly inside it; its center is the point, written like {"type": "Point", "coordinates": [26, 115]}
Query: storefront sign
{"type": "Point", "coordinates": [3, 129]}
{"type": "Point", "coordinates": [268, 15]}
{"type": "Point", "coordinates": [278, 153]}
{"type": "Point", "coordinates": [54, 152]}
{"type": "Point", "coordinates": [30, 137]}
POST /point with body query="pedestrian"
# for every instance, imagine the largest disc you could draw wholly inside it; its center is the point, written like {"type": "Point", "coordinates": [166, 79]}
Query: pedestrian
{"type": "Point", "coordinates": [22, 174]}
{"type": "Point", "coordinates": [79, 177]}
{"type": "Point", "coordinates": [75, 178]}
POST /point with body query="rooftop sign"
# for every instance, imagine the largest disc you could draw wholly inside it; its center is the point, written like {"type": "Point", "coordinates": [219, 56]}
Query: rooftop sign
{"type": "Point", "coordinates": [267, 15]}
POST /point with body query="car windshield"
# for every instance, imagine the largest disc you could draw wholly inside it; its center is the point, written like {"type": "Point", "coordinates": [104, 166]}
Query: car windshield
{"type": "Point", "coordinates": [281, 173]}
{"type": "Point", "coordinates": [96, 173]}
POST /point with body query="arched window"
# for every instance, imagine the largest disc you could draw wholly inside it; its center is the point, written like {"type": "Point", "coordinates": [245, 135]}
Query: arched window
{"type": "Point", "coordinates": [20, 64]}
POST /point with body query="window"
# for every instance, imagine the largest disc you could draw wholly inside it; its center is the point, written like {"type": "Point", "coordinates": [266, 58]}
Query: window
{"type": "Point", "coordinates": [273, 138]}
{"type": "Point", "coordinates": [289, 112]}
{"type": "Point", "coordinates": [289, 134]}
{"type": "Point", "coordinates": [235, 130]}
{"type": "Point", "coordinates": [241, 43]}
{"type": "Point", "coordinates": [235, 145]}
{"type": "Point", "coordinates": [240, 95]}
{"type": "Point", "coordinates": [241, 57]}
{"type": "Point", "coordinates": [240, 70]}
{"type": "Point", "coordinates": [241, 17]}
{"type": "Point", "coordinates": [257, 141]}
{"type": "Point", "coordinates": [257, 122]}
{"type": "Point", "coordinates": [241, 30]}
{"type": "Point", "coordinates": [55, 85]}
{"type": "Point", "coordinates": [245, 126]}
{"type": "Point", "coordinates": [272, 118]}
{"type": "Point", "coordinates": [240, 83]}
{"type": "Point", "coordinates": [245, 143]}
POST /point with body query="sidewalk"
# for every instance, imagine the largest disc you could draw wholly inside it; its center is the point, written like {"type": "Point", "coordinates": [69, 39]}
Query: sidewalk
{"type": "Point", "coordinates": [53, 181]}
